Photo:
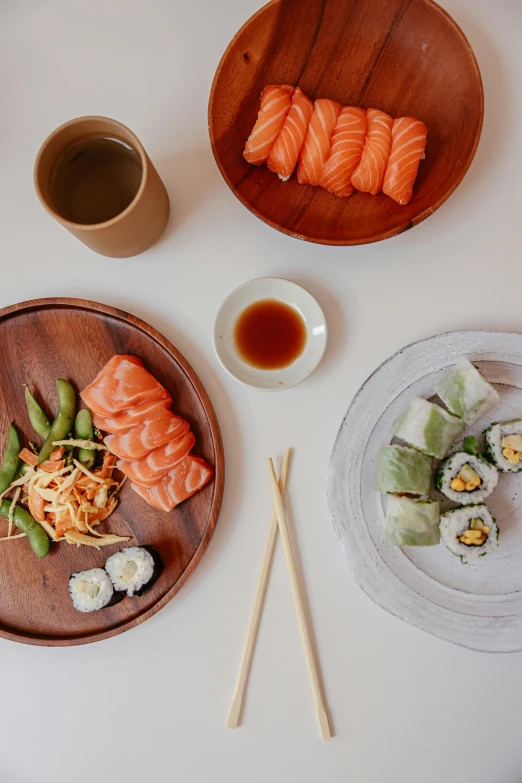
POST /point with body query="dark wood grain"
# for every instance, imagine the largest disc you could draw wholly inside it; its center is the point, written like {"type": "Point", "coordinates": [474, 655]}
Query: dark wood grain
{"type": "Point", "coordinates": [406, 57]}
{"type": "Point", "coordinates": [71, 338]}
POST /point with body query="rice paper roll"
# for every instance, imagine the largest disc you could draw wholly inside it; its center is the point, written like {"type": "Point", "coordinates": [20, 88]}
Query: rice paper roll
{"type": "Point", "coordinates": [427, 427]}
{"type": "Point", "coordinates": [504, 445]}
{"type": "Point", "coordinates": [401, 469]}
{"type": "Point", "coordinates": [465, 391]}
{"type": "Point", "coordinates": [412, 522]}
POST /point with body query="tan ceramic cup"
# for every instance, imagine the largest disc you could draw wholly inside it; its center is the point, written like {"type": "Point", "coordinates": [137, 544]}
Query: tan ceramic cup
{"type": "Point", "coordinates": [132, 231]}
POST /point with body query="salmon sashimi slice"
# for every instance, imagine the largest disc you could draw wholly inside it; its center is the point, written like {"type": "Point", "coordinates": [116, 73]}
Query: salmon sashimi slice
{"type": "Point", "coordinates": [123, 422]}
{"type": "Point", "coordinates": [407, 151]}
{"type": "Point", "coordinates": [347, 145]}
{"type": "Point", "coordinates": [150, 469]}
{"type": "Point", "coordinates": [275, 104]}
{"type": "Point", "coordinates": [318, 141]}
{"type": "Point", "coordinates": [285, 151]}
{"type": "Point", "coordinates": [121, 384]}
{"type": "Point", "coordinates": [187, 478]}
{"type": "Point", "coordinates": [369, 174]}
{"type": "Point", "coordinates": [146, 437]}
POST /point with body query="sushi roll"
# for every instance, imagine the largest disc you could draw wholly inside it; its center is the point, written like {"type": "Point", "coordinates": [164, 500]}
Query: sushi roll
{"type": "Point", "coordinates": [401, 469]}
{"type": "Point", "coordinates": [91, 590]}
{"type": "Point", "coordinates": [134, 569]}
{"type": "Point", "coordinates": [504, 445]}
{"type": "Point", "coordinates": [412, 522]}
{"type": "Point", "coordinates": [469, 532]}
{"type": "Point", "coordinates": [464, 477]}
{"type": "Point", "coordinates": [465, 392]}
{"type": "Point", "coordinates": [427, 427]}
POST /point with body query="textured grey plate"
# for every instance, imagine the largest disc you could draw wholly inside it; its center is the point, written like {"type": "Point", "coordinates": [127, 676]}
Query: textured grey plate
{"type": "Point", "coordinates": [478, 605]}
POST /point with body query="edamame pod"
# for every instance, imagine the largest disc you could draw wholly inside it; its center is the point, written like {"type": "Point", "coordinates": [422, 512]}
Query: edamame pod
{"type": "Point", "coordinates": [37, 416]}
{"type": "Point", "coordinates": [85, 431]}
{"type": "Point", "coordinates": [37, 537]}
{"type": "Point", "coordinates": [11, 459]}
{"type": "Point", "coordinates": [63, 422]}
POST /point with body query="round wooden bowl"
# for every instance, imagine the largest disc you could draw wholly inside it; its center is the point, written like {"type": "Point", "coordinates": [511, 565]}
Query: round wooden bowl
{"type": "Point", "coordinates": [71, 338]}
{"type": "Point", "coordinates": [406, 57]}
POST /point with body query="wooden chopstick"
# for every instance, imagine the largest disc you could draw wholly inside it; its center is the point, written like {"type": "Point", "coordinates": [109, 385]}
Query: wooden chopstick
{"type": "Point", "coordinates": [301, 614]}
{"type": "Point", "coordinates": [257, 608]}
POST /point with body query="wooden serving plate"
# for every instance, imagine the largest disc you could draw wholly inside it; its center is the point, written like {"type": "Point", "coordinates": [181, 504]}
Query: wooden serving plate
{"type": "Point", "coordinates": [45, 339]}
{"type": "Point", "coordinates": [406, 57]}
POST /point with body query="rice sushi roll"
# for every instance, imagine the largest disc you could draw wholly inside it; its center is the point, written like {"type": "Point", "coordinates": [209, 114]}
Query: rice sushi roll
{"type": "Point", "coordinates": [427, 427]}
{"type": "Point", "coordinates": [466, 477]}
{"type": "Point", "coordinates": [412, 522]}
{"type": "Point", "coordinates": [470, 531]}
{"type": "Point", "coordinates": [504, 445]}
{"type": "Point", "coordinates": [405, 470]}
{"type": "Point", "coordinates": [91, 590]}
{"type": "Point", "coordinates": [465, 392]}
{"type": "Point", "coordinates": [134, 569]}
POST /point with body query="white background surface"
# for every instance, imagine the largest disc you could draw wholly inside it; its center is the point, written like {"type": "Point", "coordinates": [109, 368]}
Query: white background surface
{"type": "Point", "coordinates": [152, 704]}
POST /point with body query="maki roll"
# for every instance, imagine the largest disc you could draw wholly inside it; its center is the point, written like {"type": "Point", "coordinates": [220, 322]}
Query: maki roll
{"type": "Point", "coordinates": [504, 445]}
{"type": "Point", "coordinates": [134, 569]}
{"type": "Point", "coordinates": [463, 477]}
{"type": "Point", "coordinates": [465, 391]}
{"type": "Point", "coordinates": [427, 427]}
{"type": "Point", "coordinates": [91, 590]}
{"type": "Point", "coordinates": [412, 522]}
{"type": "Point", "coordinates": [401, 469]}
{"type": "Point", "coordinates": [470, 531]}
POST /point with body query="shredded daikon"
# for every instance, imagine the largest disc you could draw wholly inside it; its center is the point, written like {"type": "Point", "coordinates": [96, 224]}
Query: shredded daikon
{"type": "Point", "coordinates": [12, 538]}
{"type": "Point", "coordinates": [81, 444]}
{"type": "Point", "coordinates": [73, 537]}
{"type": "Point", "coordinates": [98, 479]}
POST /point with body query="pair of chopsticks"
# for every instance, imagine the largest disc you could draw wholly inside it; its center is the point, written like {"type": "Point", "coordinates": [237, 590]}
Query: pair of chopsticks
{"type": "Point", "coordinates": [279, 522]}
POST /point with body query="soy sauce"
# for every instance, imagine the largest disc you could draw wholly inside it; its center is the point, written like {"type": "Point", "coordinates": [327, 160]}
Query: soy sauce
{"type": "Point", "coordinates": [270, 335]}
{"type": "Point", "coordinates": [95, 180]}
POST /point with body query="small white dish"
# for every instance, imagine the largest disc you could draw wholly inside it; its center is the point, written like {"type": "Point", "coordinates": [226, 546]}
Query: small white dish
{"type": "Point", "coordinates": [284, 291]}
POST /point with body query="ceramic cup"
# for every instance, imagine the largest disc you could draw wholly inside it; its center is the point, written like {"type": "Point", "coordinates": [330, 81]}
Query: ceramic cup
{"type": "Point", "coordinates": [140, 224]}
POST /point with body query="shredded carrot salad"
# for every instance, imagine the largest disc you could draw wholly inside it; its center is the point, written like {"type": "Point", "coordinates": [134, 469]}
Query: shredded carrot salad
{"type": "Point", "coordinates": [68, 500]}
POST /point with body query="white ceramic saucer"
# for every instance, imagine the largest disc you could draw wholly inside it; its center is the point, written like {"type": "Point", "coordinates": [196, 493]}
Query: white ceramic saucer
{"type": "Point", "coordinates": [289, 293]}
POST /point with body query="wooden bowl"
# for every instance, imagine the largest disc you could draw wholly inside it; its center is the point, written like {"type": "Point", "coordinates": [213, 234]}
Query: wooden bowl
{"type": "Point", "coordinates": [406, 57]}
{"type": "Point", "coordinates": [71, 338]}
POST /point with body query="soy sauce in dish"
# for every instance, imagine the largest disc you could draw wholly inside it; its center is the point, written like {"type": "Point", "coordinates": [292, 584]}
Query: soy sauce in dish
{"type": "Point", "coordinates": [270, 335]}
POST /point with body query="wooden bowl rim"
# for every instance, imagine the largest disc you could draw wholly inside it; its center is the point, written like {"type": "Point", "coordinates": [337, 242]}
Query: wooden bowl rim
{"type": "Point", "coordinates": [379, 235]}
{"type": "Point", "coordinates": [219, 468]}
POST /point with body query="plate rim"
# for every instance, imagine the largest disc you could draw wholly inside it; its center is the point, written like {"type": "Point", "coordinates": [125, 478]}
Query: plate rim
{"type": "Point", "coordinates": [219, 468]}
{"type": "Point", "coordinates": [379, 236]}
{"type": "Point", "coordinates": [388, 606]}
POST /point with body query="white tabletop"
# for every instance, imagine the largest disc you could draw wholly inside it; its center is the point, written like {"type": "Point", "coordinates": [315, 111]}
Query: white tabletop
{"type": "Point", "coordinates": [151, 704]}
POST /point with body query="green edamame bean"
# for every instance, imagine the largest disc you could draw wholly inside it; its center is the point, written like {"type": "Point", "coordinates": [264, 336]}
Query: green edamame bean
{"type": "Point", "coordinates": [85, 431]}
{"type": "Point", "coordinates": [11, 459]}
{"type": "Point", "coordinates": [37, 416]}
{"type": "Point", "coordinates": [63, 422]}
{"type": "Point", "coordinates": [37, 537]}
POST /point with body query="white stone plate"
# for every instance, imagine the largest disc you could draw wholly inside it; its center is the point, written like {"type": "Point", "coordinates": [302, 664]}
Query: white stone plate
{"type": "Point", "coordinates": [477, 605]}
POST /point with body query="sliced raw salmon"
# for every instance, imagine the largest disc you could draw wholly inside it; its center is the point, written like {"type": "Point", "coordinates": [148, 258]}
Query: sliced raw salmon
{"type": "Point", "coordinates": [347, 145]}
{"type": "Point", "coordinates": [187, 478]}
{"type": "Point", "coordinates": [285, 151]}
{"type": "Point", "coordinates": [407, 151]}
{"type": "Point", "coordinates": [146, 437]}
{"type": "Point", "coordinates": [148, 470]}
{"type": "Point", "coordinates": [369, 174]}
{"type": "Point", "coordinates": [121, 384]}
{"type": "Point", "coordinates": [123, 422]}
{"type": "Point", "coordinates": [317, 143]}
{"type": "Point", "coordinates": [275, 104]}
